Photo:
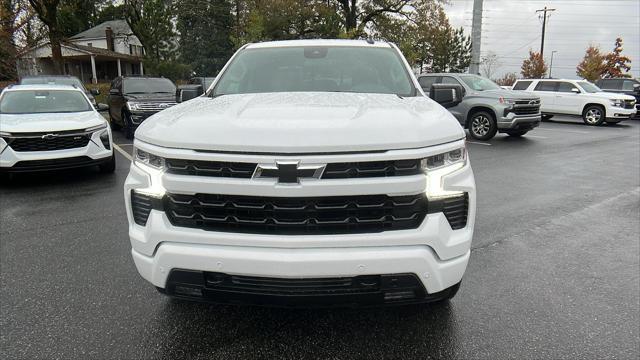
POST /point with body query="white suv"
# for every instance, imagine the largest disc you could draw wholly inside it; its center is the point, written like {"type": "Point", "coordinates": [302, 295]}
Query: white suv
{"type": "Point", "coordinates": [579, 97]}
{"type": "Point", "coordinates": [52, 127]}
{"type": "Point", "coordinates": [313, 172]}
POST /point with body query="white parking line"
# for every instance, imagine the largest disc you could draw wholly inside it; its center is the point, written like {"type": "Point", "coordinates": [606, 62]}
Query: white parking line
{"type": "Point", "coordinates": [478, 143]}
{"type": "Point", "coordinates": [567, 131]}
{"type": "Point", "coordinates": [124, 153]}
{"type": "Point", "coordinates": [537, 137]}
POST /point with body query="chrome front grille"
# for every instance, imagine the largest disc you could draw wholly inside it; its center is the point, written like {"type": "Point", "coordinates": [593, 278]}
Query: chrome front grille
{"type": "Point", "coordinates": [154, 106]}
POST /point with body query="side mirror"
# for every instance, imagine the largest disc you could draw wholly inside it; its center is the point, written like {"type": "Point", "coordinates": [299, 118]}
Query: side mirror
{"type": "Point", "coordinates": [186, 94]}
{"type": "Point", "coordinates": [94, 92]}
{"type": "Point", "coordinates": [102, 107]}
{"type": "Point", "coordinates": [636, 88]}
{"type": "Point", "coordinates": [575, 90]}
{"type": "Point", "coordinates": [447, 95]}
{"type": "Point", "coordinates": [114, 92]}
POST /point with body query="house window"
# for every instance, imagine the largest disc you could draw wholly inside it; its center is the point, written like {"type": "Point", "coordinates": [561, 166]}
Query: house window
{"type": "Point", "coordinates": [135, 50]}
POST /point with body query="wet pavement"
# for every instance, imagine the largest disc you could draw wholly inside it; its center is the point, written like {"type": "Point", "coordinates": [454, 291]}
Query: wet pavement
{"type": "Point", "coordinates": [554, 271]}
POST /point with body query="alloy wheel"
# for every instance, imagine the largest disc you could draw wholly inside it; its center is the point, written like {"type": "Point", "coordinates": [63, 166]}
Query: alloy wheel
{"type": "Point", "coordinates": [480, 125]}
{"type": "Point", "coordinates": [593, 116]}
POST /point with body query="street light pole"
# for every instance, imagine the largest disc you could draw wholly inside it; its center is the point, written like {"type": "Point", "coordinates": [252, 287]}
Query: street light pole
{"type": "Point", "coordinates": [551, 62]}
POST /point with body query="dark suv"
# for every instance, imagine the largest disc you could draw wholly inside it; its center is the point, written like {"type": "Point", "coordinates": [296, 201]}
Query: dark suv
{"type": "Point", "coordinates": [133, 99]}
{"type": "Point", "coordinates": [623, 86]}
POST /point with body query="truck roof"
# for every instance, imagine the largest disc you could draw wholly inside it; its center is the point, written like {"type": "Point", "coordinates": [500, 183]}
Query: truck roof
{"type": "Point", "coordinates": [318, 42]}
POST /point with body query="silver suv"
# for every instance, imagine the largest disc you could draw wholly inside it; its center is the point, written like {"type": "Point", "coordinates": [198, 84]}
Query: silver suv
{"type": "Point", "coordinates": [486, 108]}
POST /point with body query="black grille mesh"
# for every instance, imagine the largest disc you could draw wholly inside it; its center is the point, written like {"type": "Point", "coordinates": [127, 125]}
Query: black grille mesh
{"type": "Point", "coordinates": [372, 169]}
{"type": "Point", "coordinates": [456, 209]}
{"type": "Point", "coordinates": [57, 143]}
{"type": "Point", "coordinates": [141, 206]}
{"type": "Point", "coordinates": [211, 168]}
{"type": "Point", "coordinates": [273, 215]}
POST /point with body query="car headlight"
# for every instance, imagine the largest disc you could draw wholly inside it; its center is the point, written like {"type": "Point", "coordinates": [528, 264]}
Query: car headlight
{"type": "Point", "coordinates": [96, 128]}
{"type": "Point", "coordinates": [502, 100]}
{"type": "Point", "coordinates": [149, 159]}
{"type": "Point", "coordinates": [154, 166]}
{"type": "Point", "coordinates": [133, 106]}
{"type": "Point", "coordinates": [617, 102]}
{"type": "Point", "coordinates": [440, 165]}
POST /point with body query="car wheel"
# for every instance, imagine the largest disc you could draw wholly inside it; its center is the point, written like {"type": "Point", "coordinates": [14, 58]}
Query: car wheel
{"type": "Point", "coordinates": [482, 126]}
{"type": "Point", "coordinates": [128, 126]}
{"type": "Point", "coordinates": [593, 115]}
{"type": "Point", "coordinates": [517, 133]}
{"type": "Point", "coordinates": [109, 166]}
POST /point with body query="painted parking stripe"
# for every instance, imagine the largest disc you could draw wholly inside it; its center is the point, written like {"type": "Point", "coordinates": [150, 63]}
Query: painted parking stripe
{"type": "Point", "coordinates": [124, 153]}
{"type": "Point", "coordinates": [478, 143]}
{"type": "Point", "coordinates": [537, 137]}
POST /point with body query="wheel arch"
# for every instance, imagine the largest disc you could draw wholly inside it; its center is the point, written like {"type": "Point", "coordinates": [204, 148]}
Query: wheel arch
{"type": "Point", "coordinates": [589, 104]}
{"type": "Point", "coordinates": [476, 109]}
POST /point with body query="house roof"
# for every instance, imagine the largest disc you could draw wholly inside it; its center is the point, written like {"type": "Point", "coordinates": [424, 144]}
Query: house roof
{"type": "Point", "coordinates": [119, 27]}
{"type": "Point", "coordinates": [102, 52]}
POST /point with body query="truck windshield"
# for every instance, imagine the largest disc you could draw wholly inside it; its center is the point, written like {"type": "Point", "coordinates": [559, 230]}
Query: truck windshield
{"type": "Point", "coordinates": [316, 68]}
{"type": "Point", "coordinates": [148, 86]}
{"type": "Point", "coordinates": [588, 87]}
{"type": "Point", "coordinates": [43, 101]}
{"type": "Point", "coordinates": [479, 83]}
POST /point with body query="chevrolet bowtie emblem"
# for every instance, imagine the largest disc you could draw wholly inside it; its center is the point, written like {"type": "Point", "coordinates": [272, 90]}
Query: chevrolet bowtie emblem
{"type": "Point", "coordinates": [49, 136]}
{"type": "Point", "coordinates": [289, 172]}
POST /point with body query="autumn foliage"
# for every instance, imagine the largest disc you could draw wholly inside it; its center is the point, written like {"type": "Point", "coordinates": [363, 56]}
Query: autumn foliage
{"type": "Point", "coordinates": [533, 67]}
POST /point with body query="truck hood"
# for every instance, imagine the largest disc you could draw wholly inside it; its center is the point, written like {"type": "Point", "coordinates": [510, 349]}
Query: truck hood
{"type": "Point", "coordinates": [304, 122]}
{"type": "Point", "coordinates": [507, 94]}
{"type": "Point", "coordinates": [18, 123]}
{"type": "Point", "coordinates": [610, 95]}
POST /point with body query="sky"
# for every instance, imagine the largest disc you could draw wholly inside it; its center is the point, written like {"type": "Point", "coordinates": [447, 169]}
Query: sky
{"type": "Point", "coordinates": [511, 27]}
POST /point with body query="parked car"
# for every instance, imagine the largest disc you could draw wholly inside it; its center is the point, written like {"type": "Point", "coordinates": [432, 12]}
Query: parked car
{"type": "Point", "coordinates": [626, 86]}
{"type": "Point", "coordinates": [579, 98]}
{"type": "Point", "coordinates": [62, 80]}
{"type": "Point", "coordinates": [315, 172]}
{"type": "Point", "coordinates": [133, 99]}
{"type": "Point", "coordinates": [52, 127]}
{"type": "Point", "coordinates": [486, 108]}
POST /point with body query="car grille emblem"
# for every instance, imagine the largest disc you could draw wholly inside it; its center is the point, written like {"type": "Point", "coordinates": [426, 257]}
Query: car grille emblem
{"type": "Point", "coordinates": [49, 136]}
{"type": "Point", "coordinates": [288, 172]}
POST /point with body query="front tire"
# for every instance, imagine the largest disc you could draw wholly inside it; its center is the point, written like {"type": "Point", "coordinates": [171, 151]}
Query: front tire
{"type": "Point", "coordinates": [110, 166]}
{"type": "Point", "coordinates": [517, 133]}
{"type": "Point", "coordinates": [482, 125]}
{"type": "Point", "coordinates": [593, 115]}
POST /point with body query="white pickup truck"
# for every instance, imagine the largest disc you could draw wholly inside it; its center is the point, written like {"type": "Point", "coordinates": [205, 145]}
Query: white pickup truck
{"type": "Point", "coordinates": [580, 98]}
{"type": "Point", "coordinates": [312, 172]}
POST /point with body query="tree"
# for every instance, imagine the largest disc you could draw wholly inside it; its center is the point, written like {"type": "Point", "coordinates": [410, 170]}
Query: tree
{"type": "Point", "coordinates": [507, 79]}
{"type": "Point", "coordinates": [616, 65]}
{"type": "Point", "coordinates": [14, 15]}
{"type": "Point", "coordinates": [592, 65]}
{"type": "Point", "coordinates": [358, 14]}
{"type": "Point", "coordinates": [75, 16]}
{"type": "Point", "coordinates": [205, 39]}
{"type": "Point", "coordinates": [489, 64]}
{"type": "Point", "coordinates": [47, 11]}
{"type": "Point", "coordinates": [534, 67]}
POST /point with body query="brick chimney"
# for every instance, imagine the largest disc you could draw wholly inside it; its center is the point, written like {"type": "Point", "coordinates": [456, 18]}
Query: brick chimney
{"type": "Point", "coordinates": [109, 34]}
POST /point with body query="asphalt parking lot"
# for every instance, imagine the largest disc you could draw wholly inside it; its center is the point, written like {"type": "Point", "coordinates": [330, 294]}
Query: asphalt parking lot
{"type": "Point", "coordinates": [554, 270]}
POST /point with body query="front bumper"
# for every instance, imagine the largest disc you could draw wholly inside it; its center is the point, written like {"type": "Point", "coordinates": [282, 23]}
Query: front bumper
{"type": "Point", "coordinates": [618, 113]}
{"type": "Point", "coordinates": [519, 122]}
{"type": "Point", "coordinates": [94, 153]}
{"type": "Point", "coordinates": [434, 252]}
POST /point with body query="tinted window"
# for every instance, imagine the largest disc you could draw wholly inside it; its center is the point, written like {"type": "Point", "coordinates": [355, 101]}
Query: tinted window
{"type": "Point", "coordinates": [521, 85]}
{"type": "Point", "coordinates": [546, 86]}
{"type": "Point", "coordinates": [609, 84]}
{"type": "Point", "coordinates": [450, 80]}
{"type": "Point", "coordinates": [628, 84]}
{"type": "Point", "coordinates": [426, 82]}
{"type": "Point", "coordinates": [588, 87]}
{"type": "Point", "coordinates": [565, 87]}
{"type": "Point", "coordinates": [148, 85]}
{"type": "Point", "coordinates": [479, 83]}
{"type": "Point", "coordinates": [43, 101]}
{"type": "Point", "coordinates": [316, 68]}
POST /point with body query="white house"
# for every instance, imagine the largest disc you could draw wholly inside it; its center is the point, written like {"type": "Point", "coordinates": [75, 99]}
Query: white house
{"type": "Point", "coordinates": [97, 54]}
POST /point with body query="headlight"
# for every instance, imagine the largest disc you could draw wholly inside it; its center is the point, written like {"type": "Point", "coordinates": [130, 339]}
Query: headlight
{"type": "Point", "coordinates": [4, 134]}
{"type": "Point", "coordinates": [146, 158]}
{"type": "Point", "coordinates": [96, 128]}
{"type": "Point", "coordinates": [506, 101]}
{"type": "Point", "coordinates": [440, 165]}
{"type": "Point", "coordinates": [617, 102]}
{"type": "Point", "coordinates": [133, 106]}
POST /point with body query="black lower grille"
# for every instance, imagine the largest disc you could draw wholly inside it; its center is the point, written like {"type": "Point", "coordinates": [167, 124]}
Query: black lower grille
{"type": "Point", "coordinates": [274, 215]}
{"type": "Point", "coordinates": [55, 143]}
{"type": "Point", "coordinates": [532, 110]}
{"type": "Point", "coordinates": [456, 209]}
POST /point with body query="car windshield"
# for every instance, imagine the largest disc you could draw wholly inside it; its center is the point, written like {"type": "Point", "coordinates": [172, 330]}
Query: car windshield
{"type": "Point", "coordinates": [588, 87]}
{"type": "Point", "coordinates": [316, 68]}
{"type": "Point", "coordinates": [148, 86]}
{"type": "Point", "coordinates": [53, 81]}
{"type": "Point", "coordinates": [43, 101]}
{"type": "Point", "coordinates": [479, 83]}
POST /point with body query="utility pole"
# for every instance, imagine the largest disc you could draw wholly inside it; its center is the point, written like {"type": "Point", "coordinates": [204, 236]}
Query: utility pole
{"type": "Point", "coordinates": [544, 23]}
{"type": "Point", "coordinates": [476, 37]}
{"type": "Point", "coordinates": [551, 64]}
